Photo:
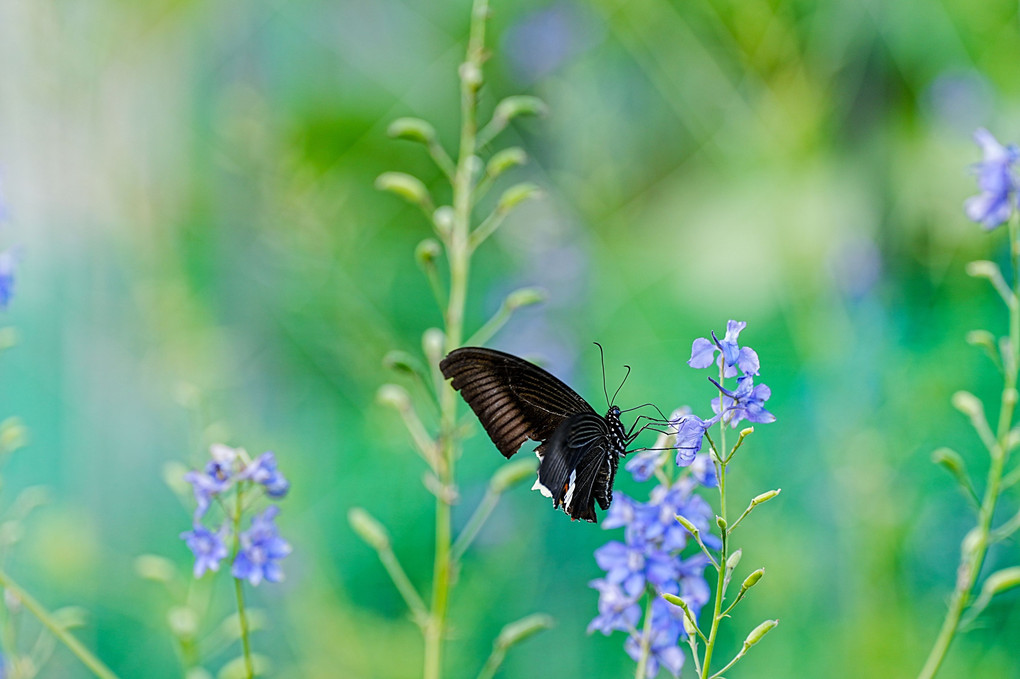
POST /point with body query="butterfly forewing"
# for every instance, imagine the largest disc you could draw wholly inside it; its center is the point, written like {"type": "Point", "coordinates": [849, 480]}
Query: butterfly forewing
{"type": "Point", "coordinates": [514, 400]}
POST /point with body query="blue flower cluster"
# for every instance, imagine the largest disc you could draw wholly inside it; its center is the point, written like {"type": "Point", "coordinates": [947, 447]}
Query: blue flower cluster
{"type": "Point", "coordinates": [259, 549]}
{"type": "Point", "coordinates": [995, 177]}
{"type": "Point", "coordinates": [747, 401]}
{"type": "Point", "coordinates": [651, 559]}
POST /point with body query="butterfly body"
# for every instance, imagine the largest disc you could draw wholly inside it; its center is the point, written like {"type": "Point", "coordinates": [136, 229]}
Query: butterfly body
{"type": "Point", "coordinates": [515, 400]}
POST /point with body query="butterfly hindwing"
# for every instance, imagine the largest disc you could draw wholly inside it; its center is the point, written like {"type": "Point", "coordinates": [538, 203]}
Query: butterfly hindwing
{"type": "Point", "coordinates": [514, 400]}
{"type": "Point", "coordinates": [578, 466]}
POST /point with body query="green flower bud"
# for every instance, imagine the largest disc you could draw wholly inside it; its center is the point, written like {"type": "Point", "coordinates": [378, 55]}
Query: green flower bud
{"type": "Point", "coordinates": [981, 338]}
{"type": "Point", "coordinates": [509, 475]}
{"type": "Point", "coordinates": [523, 628]}
{"type": "Point", "coordinates": [519, 105]}
{"type": "Point", "coordinates": [984, 269]}
{"type": "Point", "coordinates": [721, 522]}
{"type": "Point", "coordinates": [183, 622]}
{"type": "Point", "coordinates": [443, 219]}
{"type": "Point", "coordinates": [515, 195]}
{"type": "Point", "coordinates": [766, 496]}
{"type": "Point", "coordinates": [752, 579]}
{"type": "Point", "coordinates": [1003, 580]}
{"type": "Point", "coordinates": [412, 129]}
{"type": "Point", "coordinates": [525, 297]}
{"type": "Point", "coordinates": [504, 160]}
{"type": "Point", "coordinates": [368, 529]}
{"type": "Point", "coordinates": [734, 559]}
{"type": "Point", "coordinates": [155, 568]}
{"type": "Point", "coordinates": [968, 404]}
{"type": "Point", "coordinates": [432, 342]}
{"type": "Point", "coordinates": [407, 187]}
{"type": "Point", "coordinates": [691, 528]}
{"type": "Point", "coordinates": [427, 252]}
{"type": "Point", "coordinates": [758, 632]}
{"type": "Point", "coordinates": [394, 396]}
{"type": "Point", "coordinates": [402, 362]}
{"type": "Point", "coordinates": [470, 74]}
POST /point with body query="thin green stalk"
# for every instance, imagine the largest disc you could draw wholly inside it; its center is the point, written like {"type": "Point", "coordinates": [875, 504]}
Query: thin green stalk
{"type": "Point", "coordinates": [717, 614]}
{"type": "Point", "coordinates": [973, 557]}
{"type": "Point", "coordinates": [646, 640]}
{"type": "Point", "coordinates": [458, 255]}
{"type": "Point", "coordinates": [94, 664]}
{"type": "Point", "coordinates": [249, 668]}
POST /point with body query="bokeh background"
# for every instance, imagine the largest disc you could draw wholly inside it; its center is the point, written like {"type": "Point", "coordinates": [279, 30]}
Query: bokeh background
{"type": "Point", "coordinates": [204, 257]}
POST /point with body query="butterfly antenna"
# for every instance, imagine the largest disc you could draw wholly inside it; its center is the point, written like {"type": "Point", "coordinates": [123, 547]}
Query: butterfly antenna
{"type": "Point", "coordinates": [604, 389]}
{"type": "Point", "coordinates": [621, 385]}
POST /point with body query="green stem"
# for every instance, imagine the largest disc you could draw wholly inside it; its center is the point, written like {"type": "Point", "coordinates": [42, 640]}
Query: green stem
{"type": "Point", "coordinates": [717, 614]}
{"type": "Point", "coordinates": [646, 641]}
{"type": "Point", "coordinates": [459, 256]}
{"type": "Point", "coordinates": [249, 668]}
{"type": "Point", "coordinates": [973, 555]}
{"type": "Point", "coordinates": [35, 608]}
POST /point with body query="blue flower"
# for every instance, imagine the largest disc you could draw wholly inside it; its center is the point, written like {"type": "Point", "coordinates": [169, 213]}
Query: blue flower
{"type": "Point", "coordinates": [664, 652]}
{"type": "Point", "coordinates": [208, 548]}
{"type": "Point", "coordinates": [690, 432]}
{"type": "Point", "coordinates": [643, 465]}
{"type": "Point", "coordinates": [703, 352]}
{"type": "Point", "coordinates": [617, 609]}
{"type": "Point", "coordinates": [635, 565]}
{"type": "Point", "coordinates": [261, 548]}
{"type": "Point", "coordinates": [993, 205]}
{"type": "Point", "coordinates": [218, 476]}
{"type": "Point", "coordinates": [703, 470]}
{"type": "Point", "coordinates": [746, 402]}
{"type": "Point", "coordinates": [7, 263]}
{"type": "Point", "coordinates": [668, 502]}
{"type": "Point", "coordinates": [263, 471]}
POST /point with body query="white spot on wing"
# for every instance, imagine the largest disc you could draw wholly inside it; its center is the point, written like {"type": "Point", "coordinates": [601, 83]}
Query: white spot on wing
{"type": "Point", "coordinates": [542, 489]}
{"type": "Point", "coordinates": [570, 490]}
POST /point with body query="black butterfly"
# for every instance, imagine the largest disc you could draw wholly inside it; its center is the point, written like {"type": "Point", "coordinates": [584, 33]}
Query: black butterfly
{"type": "Point", "coordinates": [516, 400]}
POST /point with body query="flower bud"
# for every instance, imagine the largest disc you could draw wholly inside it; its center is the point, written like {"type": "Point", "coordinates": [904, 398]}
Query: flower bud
{"type": "Point", "coordinates": [766, 496]}
{"type": "Point", "coordinates": [412, 129]}
{"type": "Point", "coordinates": [746, 432]}
{"type": "Point", "coordinates": [691, 528]}
{"type": "Point", "coordinates": [1002, 580]}
{"type": "Point", "coordinates": [734, 559]}
{"type": "Point", "coordinates": [182, 621]}
{"type": "Point", "coordinates": [432, 341]}
{"type": "Point", "coordinates": [427, 252]}
{"type": "Point", "coordinates": [752, 579]}
{"type": "Point", "coordinates": [155, 568]}
{"type": "Point", "coordinates": [470, 74]}
{"type": "Point", "coordinates": [443, 219]}
{"type": "Point", "coordinates": [519, 105]}
{"type": "Point", "coordinates": [407, 187]}
{"type": "Point", "coordinates": [475, 165]}
{"type": "Point", "coordinates": [950, 459]}
{"type": "Point", "coordinates": [758, 632]}
{"type": "Point", "coordinates": [368, 529]}
{"type": "Point", "coordinates": [515, 195]}
{"type": "Point", "coordinates": [13, 435]}
{"type": "Point", "coordinates": [509, 475]}
{"type": "Point", "coordinates": [968, 404]}
{"type": "Point", "coordinates": [721, 522]}
{"type": "Point", "coordinates": [525, 297]}
{"type": "Point", "coordinates": [984, 269]}
{"type": "Point", "coordinates": [981, 338]}
{"type": "Point", "coordinates": [394, 396]}
{"type": "Point", "coordinates": [523, 628]}
{"type": "Point", "coordinates": [504, 160]}
{"type": "Point", "coordinates": [401, 362]}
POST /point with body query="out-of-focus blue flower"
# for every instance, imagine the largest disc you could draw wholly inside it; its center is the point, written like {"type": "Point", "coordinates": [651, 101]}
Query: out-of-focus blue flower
{"type": "Point", "coordinates": [261, 549]}
{"type": "Point", "coordinates": [746, 402]}
{"type": "Point", "coordinates": [617, 609]}
{"type": "Point", "coordinates": [635, 565]}
{"type": "Point", "coordinates": [664, 651]}
{"type": "Point", "coordinates": [994, 204]}
{"type": "Point", "coordinates": [218, 476]}
{"type": "Point", "coordinates": [643, 465]}
{"type": "Point", "coordinates": [703, 352]}
{"type": "Point", "coordinates": [264, 472]}
{"type": "Point", "coordinates": [667, 503]}
{"type": "Point", "coordinates": [7, 265]}
{"type": "Point", "coordinates": [703, 470]}
{"type": "Point", "coordinates": [207, 546]}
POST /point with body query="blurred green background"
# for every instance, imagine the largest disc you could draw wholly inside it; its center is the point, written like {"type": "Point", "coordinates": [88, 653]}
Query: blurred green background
{"type": "Point", "coordinates": [204, 258]}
